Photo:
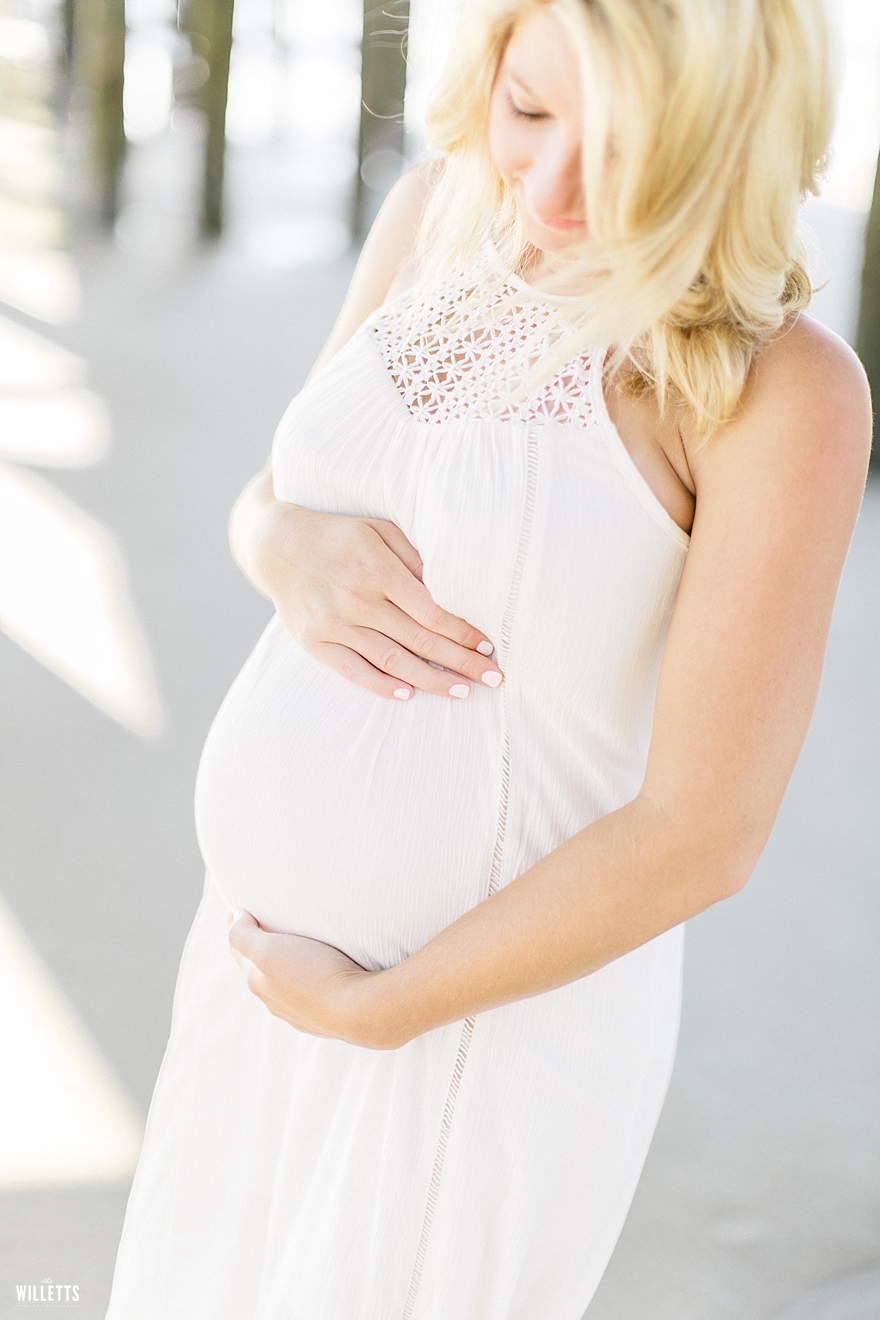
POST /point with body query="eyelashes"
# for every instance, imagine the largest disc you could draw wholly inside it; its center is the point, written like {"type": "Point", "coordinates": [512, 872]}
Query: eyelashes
{"type": "Point", "coordinates": [516, 112]}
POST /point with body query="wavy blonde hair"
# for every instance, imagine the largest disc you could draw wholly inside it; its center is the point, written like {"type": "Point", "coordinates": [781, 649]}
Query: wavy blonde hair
{"type": "Point", "coordinates": [722, 114]}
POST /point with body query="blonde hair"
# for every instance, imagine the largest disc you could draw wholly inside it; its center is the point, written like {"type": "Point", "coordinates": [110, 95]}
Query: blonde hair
{"type": "Point", "coordinates": [722, 113]}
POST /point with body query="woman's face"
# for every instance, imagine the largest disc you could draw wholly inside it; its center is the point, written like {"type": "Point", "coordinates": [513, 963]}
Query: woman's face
{"type": "Point", "coordinates": [535, 130]}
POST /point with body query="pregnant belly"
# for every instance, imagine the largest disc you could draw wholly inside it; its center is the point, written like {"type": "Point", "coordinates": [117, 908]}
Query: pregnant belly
{"type": "Point", "coordinates": [329, 812]}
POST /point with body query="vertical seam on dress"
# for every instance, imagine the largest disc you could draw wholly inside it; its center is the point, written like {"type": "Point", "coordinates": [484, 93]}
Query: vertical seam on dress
{"type": "Point", "coordinates": [494, 873]}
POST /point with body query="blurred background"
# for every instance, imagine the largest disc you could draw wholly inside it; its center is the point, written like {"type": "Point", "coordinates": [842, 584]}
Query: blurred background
{"type": "Point", "coordinates": [183, 189]}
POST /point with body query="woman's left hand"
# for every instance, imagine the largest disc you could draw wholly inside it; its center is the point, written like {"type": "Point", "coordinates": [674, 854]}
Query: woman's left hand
{"type": "Point", "coordinates": [311, 985]}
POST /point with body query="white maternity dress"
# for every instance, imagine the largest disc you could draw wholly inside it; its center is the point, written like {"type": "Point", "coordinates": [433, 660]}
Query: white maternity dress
{"type": "Point", "coordinates": [483, 1171]}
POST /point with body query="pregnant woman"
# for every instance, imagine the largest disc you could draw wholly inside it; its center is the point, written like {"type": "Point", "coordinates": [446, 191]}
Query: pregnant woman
{"type": "Point", "coordinates": [554, 532]}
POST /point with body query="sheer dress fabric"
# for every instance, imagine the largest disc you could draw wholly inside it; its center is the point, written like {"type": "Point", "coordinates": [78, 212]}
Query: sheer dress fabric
{"type": "Point", "coordinates": [483, 1171]}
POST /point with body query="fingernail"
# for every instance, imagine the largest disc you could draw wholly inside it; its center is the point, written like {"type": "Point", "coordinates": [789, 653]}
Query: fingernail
{"type": "Point", "coordinates": [491, 678]}
{"type": "Point", "coordinates": [485, 648]}
{"type": "Point", "coordinates": [460, 690]}
{"type": "Point", "coordinates": [403, 693]}
{"type": "Point", "coordinates": [239, 912]}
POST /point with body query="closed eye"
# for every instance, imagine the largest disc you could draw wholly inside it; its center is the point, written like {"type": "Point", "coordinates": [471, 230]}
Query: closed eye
{"type": "Point", "coordinates": [521, 114]}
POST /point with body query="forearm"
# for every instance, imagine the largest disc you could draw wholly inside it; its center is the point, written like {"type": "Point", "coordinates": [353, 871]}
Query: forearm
{"type": "Point", "coordinates": [622, 881]}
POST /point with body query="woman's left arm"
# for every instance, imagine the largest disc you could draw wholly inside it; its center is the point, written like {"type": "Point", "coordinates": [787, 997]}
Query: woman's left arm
{"type": "Point", "coordinates": [778, 493]}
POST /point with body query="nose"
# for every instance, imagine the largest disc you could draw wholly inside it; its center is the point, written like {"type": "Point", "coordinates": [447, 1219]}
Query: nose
{"type": "Point", "coordinates": [553, 184]}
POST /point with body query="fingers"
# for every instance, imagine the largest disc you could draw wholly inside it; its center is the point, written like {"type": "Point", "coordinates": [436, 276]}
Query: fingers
{"type": "Point", "coordinates": [244, 934]}
{"type": "Point", "coordinates": [387, 668]}
{"type": "Point", "coordinates": [390, 657]}
{"type": "Point", "coordinates": [403, 648]}
{"type": "Point", "coordinates": [408, 592]}
{"type": "Point", "coordinates": [412, 597]}
{"type": "Point", "coordinates": [247, 941]}
{"type": "Point", "coordinates": [351, 665]}
{"type": "Point", "coordinates": [355, 601]}
{"type": "Point", "coordinates": [243, 949]}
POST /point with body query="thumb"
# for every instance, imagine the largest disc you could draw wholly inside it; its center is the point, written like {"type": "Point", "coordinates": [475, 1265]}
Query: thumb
{"type": "Point", "coordinates": [244, 931]}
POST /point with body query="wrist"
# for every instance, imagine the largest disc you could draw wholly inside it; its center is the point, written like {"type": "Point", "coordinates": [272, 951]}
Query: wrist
{"type": "Point", "coordinates": [270, 545]}
{"type": "Point", "coordinates": [371, 1011]}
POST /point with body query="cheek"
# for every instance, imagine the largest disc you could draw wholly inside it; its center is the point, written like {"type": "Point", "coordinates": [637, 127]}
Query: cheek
{"type": "Point", "coordinates": [506, 147]}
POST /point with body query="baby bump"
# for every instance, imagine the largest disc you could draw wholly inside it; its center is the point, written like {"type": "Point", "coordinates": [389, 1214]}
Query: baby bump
{"type": "Point", "coordinates": [327, 811]}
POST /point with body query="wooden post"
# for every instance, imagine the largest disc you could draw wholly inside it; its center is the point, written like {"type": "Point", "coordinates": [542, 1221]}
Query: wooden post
{"type": "Point", "coordinates": [99, 57]}
{"type": "Point", "coordinates": [68, 8]}
{"type": "Point", "coordinates": [383, 86]}
{"type": "Point", "coordinates": [208, 23]}
{"type": "Point", "coordinates": [868, 337]}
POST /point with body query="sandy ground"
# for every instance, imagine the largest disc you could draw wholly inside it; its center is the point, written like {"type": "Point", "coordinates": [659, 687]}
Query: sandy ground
{"type": "Point", "coordinates": [763, 1181]}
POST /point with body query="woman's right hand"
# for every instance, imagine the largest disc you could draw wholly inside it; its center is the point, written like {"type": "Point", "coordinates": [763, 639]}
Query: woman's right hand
{"type": "Point", "coordinates": [349, 590]}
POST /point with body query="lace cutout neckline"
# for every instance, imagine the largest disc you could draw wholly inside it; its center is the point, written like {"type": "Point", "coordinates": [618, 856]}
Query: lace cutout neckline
{"type": "Point", "coordinates": [461, 353]}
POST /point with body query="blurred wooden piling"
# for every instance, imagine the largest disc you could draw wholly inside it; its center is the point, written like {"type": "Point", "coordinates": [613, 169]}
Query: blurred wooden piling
{"type": "Point", "coordinates": [208, 24]}
{"type": "Point", "coordinates": [98, 55]}
{"type": "Point", "coordinates": [383, 86]}
{"type": "Point", "coordinates": [67, 14]}
{"type": "Point", "coordinates": [95, 31]}
{"type": "Point", "coordinates": [868, 337]}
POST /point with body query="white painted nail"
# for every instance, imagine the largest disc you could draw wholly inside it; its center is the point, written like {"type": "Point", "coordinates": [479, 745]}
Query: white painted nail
{"type": "Point", "coordinates": [460, 690]}
{"type": "Point", "coordinates": [491, 678]}
{"type": "Point", "coordinates": [403, 693]}
{"type": "Point", "coordinates": [485, 648]}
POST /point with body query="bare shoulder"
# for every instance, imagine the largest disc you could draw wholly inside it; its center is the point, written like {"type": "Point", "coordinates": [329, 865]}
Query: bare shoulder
{"type": "Point", "coordinates": [811, 367]}
{"type": "Point", "coordinates": [386, 263]}
{"type": "Point", "coordinates": [390, 244]}
{"type": "Point", "coordinates": [805, 419]}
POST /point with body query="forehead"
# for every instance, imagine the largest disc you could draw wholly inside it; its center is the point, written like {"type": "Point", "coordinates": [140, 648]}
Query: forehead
{"type": "Point", "coordinates": [540, 58]}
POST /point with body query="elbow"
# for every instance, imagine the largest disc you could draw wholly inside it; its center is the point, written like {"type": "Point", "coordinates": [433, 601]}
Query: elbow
{"type": "Point", "coordinates": [712, 855]}
{"type": "Point", "coordinates": [727, 861]}
{"type": "Point", "coordinates": [712, 847]}
{"type": "Point", "coordinates": [732, 878]}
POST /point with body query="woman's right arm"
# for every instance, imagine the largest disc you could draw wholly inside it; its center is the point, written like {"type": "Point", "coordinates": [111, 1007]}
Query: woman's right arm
{"type": "Point", "coordinates": [348, 589]}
